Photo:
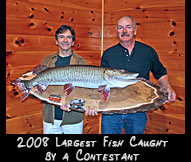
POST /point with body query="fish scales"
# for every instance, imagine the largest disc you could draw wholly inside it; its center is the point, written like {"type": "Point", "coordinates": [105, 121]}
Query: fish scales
{"type": "Point", "coordinates": [77, 74]}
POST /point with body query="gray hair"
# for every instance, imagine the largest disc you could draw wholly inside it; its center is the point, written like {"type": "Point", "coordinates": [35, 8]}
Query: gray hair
{"type": "Point", "coordinates": [134, 23]}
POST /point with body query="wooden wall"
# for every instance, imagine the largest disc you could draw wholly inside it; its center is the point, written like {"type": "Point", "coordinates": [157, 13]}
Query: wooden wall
{"type": "Point", "coordinates": [30, 28]}
{"type": "Point", "coordinates": [160, 24]}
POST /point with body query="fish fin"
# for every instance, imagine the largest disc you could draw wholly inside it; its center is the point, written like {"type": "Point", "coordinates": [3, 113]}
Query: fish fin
{"type": "Point", "coordinates": [101, 87]}
{"type": "Point", "coordinates": [107, 77]}
{"type": "Point", "coordinates": [69, 90]}
{"type": "Point", "coordinates": [106, 93]}
{"type": "Point", "coordinates": [39, 68]}
{"type": "Point", "coordinates": [67, 86]}
{"type": "Point", "coordinates": [41, 88]}
{"type": "Point", "coordinates": [22, 88]}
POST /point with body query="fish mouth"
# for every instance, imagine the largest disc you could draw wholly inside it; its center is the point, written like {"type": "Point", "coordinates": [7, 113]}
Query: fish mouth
{"type": "Point", "coordinates": [129, 77]}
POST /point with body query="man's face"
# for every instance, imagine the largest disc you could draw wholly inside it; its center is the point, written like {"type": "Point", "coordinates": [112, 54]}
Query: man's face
{"type": "Point", "coordinates": [65, 41]}
{"type": "Point", "coordinates": [125, 30]}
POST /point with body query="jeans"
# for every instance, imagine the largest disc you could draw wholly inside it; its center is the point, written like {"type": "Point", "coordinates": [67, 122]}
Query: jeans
{"type": "Point", "coordinates": [132, 123]}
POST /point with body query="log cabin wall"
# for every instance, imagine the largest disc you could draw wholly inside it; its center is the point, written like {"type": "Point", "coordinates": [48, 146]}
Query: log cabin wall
{"type": "Point", "coordinates": [160, 24]}
{"type": "Point", "coordinates": [30, 28]}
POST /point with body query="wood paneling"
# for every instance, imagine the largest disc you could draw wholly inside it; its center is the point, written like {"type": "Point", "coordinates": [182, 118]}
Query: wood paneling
{"type": "Point", "coordinates": [162, 26]}
{"type": "Point", "coordinates": [44, 43]}
{"type": "Point", "coordinates": [40, 11]}
{"type": "Point", "coordinates": [47, 27]}
{"type": "Point", "coordinates": [112, 5]}
{"type": "Point", "coordinates": [30, 29]}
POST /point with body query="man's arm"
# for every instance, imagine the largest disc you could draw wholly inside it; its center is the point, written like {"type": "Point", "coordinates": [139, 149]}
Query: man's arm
{"type": "Point", "coordinates": [164, 82]}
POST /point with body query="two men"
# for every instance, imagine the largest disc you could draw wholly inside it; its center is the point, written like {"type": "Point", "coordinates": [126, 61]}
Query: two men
{"type": "Point", "coordinates": [128, 54]}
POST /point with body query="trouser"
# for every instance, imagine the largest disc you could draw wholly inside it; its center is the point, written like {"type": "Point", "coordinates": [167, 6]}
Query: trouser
{"type": "Point", "coordinates": [49, 128]}
{"type": "Point", "coordinates": [132, 123]}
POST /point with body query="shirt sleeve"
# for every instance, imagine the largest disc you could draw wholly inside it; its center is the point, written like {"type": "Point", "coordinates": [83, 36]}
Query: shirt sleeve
{"type": "Point", "coordinates": [157, 69]}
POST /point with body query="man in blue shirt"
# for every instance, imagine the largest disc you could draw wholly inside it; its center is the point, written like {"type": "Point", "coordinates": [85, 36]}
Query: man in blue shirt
{"type": "Point", "coordinates": [138, 57]}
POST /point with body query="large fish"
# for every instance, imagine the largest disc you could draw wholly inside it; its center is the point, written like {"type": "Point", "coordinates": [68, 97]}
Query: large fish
{"type": "Point", "coordinates": [76, 75]}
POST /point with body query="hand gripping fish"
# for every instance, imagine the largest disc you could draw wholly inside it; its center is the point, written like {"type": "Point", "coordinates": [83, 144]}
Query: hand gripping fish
{"type": "Point", "coordinates": [76, 75]}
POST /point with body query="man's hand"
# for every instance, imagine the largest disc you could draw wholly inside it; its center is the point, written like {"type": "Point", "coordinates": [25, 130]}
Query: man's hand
{"type": "Point", "coordinates": [164, 82]}
{"type": "Point", "coordinates": [171, 95]}
{"type": "Point", "coordinates": [65, 107]}
{"type": "Point", "coordinates": [91, 111]}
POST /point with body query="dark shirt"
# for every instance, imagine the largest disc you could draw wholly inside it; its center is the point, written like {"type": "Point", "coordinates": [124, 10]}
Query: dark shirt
{"type": "Point", "coordinates": [142, 60]}
{"type": "Point", "coordinates": [61, 61]}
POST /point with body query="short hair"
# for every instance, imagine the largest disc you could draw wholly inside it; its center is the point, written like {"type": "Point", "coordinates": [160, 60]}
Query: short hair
{"type": "Point", "coordinates": [134, 23]}
{"type": "Point", "coordinates": [64, 28]}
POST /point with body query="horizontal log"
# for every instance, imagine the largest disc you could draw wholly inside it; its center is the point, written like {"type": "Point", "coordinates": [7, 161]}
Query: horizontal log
{"type": "Point", "coordinates": [180, 92]}
{"type": "Point", "coordinates": [147, 15]}
{"type": "Point", "coordinates": [173, 62]}
{"type": "Point", "coordinates": [47, 43]}
{"type": "Point", "coordinates": [35, 57]}
{"type": "Point", "coordinates": [25, 124]}
{"type": "Point", "coordinates": [113, 5]}
{"type": "Point", "coordinates": [178, 107]}
{"type": "Point", "coordinates": [40, 11]}
{"type": "Point", "coordinates": [16, 108]}
{"type": "Point", "coordinates": [25, 26]}
{"type": "Point", "coordinates": [176, 78]}
{"type": "Point", "coordinates": [93, 57]}
{"type": "Point", "coordinates": [161, 29]}
{"type": "Point", "coordinates": [77, 4]}
{"type": "Point", "coordinates": [174, 46]}
{"type": "Point", "coordinates": [165, 124]}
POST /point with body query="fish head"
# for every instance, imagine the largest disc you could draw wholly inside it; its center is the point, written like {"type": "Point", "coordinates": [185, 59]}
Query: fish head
{"type": "Point", "coordinates": [120, 74]}
{"type": "Point", "coordinates": [120, 78]}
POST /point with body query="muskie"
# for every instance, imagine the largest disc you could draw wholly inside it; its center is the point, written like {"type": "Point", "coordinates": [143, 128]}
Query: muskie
{"type": "Point", "coordinates": [76, 75]}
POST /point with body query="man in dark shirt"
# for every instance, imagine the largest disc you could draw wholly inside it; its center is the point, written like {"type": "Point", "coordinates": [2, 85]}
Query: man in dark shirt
{"type": "Point", "coordinates": [138, 57]}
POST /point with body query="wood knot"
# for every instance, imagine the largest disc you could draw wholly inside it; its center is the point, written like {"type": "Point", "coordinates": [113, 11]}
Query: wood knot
{"type": "Point", "coordinates": [174, 42]}
{"type": "Point", "coordinates": [173, 23]}
{"type": "Point", "coordinates": [8, 117]}
{"type": "Point", "coordinates": [31, 16]}
{"type": "Point", "coordinates": [45, 9]}
{"type": "Point", "coordinates": [19, 42]}
{"type": "Point", "coordinates": [31, 24]}
{"type": "Point", "coordinates": [180, 99]}
{"type": "Point", "coordinates": [171, 34]}
{"type": "Point", "coordinates": [8, 53]}
{"type": "Point", "coordinates": [162, 108]}
{"type": "Point", "coordinates": [49, 29]}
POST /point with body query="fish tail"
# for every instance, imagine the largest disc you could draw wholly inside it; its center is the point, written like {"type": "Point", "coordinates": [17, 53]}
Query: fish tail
{"type": "Point", "coordinates": [21, 84]}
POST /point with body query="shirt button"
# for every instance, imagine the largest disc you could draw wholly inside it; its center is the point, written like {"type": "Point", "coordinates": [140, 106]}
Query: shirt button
{"type": "Point", "coordinates": [125, 50]}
